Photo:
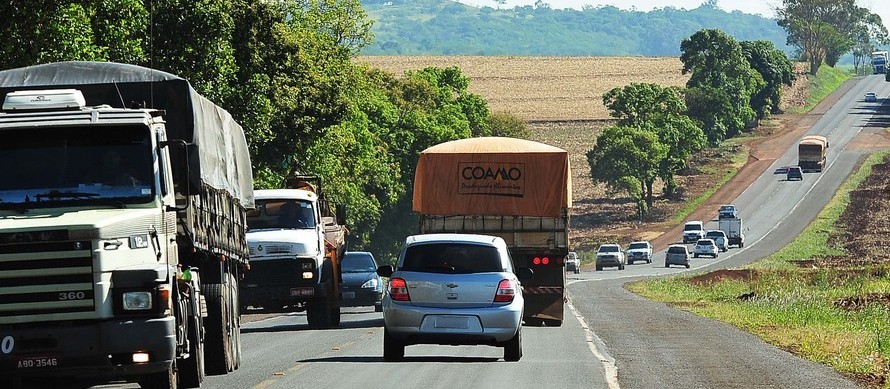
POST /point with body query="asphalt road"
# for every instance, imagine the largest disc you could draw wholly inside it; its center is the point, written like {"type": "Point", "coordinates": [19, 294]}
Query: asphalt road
{"type": "Point", "coordinates": [656, 347]}
{"type": "Point", "coordinates": [611, 338]}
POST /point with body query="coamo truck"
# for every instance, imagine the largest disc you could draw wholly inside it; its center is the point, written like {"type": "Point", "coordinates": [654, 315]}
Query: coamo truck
{"type": "Point", "coordinates": [811, 153]}
{"type": "Point", "coordinates": [516, 189]}
{"type": "Point", "coordinates": [296, 244]}
{"type": "Point", "coordinates": [123, 205]}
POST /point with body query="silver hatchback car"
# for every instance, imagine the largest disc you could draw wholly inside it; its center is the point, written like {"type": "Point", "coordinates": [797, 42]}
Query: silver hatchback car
{"type": "Point", "coordinates": [453, 289]}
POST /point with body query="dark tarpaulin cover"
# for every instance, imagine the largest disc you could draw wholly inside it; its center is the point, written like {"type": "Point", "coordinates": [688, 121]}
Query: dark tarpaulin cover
{"type": "Point", "coordinates": [223, 154]}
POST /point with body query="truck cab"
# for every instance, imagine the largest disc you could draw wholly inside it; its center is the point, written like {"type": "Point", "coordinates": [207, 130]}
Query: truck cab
{"type": "Point", "coordinates": [292, 265]}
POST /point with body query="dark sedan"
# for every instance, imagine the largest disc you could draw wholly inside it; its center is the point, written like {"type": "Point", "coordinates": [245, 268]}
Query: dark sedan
{"type": "Point", "coordinates": [361, 285]}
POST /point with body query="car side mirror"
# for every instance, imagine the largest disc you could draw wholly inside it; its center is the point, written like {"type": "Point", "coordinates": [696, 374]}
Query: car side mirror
{"type": "Point", "coordinates": [385, 271]}
{"type": "Point", "coordinates": [525, 274]}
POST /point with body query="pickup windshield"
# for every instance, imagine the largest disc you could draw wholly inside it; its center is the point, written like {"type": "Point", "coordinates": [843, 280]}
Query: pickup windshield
{"type": "Point", "coordinates": [634, 246]}
{"type": "Point", "coordinates": [282, 213]}
{"type": "Point", "coordinates": [692, 227]}
{"type": "Point", "coordinates": [71, 166]}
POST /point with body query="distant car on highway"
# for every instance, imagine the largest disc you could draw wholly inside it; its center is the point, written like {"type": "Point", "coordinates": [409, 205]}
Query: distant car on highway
{"type": "Point", "coordinates": [573, 263]}
{"type": "Point", "coordinates": [705, 247]}
{"type": "Point", "coordinates": [610, 255]}
{"type": "Point", "coordinates": [727, 211]}
{"type": "Point", "coordinates": [693, 230]}
{"type": "Point", "coordinates": [794, 173]}
{"type": "Point", "coordinates": [676, 254]}
{"type": "Point", "coordinates": [453, 289]}
{"type": "Point", "coordinates": [871, 97]}
{"type": "Point", "coordinates": [361, 285]}
{"type": "Point", "coordinates": [639, 251]}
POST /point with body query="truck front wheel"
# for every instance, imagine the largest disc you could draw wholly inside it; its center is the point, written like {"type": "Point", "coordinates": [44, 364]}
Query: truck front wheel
{"type": "Point", "coordinates": [219, 357]}
{"type": "Point", "coordinates": [161, 380]}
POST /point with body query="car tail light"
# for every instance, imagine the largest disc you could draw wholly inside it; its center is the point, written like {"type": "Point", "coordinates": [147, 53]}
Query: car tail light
{"type": "Point", "coordinates": [506, 292]}
{"type": "Point", "coordinates": [398, 290]}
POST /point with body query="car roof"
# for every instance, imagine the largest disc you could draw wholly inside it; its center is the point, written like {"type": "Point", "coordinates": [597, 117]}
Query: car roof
{"type": "Point", "coordinates": [609, 244]}
{"type": "Point", "coordinates": [694, 221]}
{"type": "Point", "coordinates": [639, 241]}
{"type": "Point", "coordinates": [456, 238]}
{"type": "Point", "coordinates": [716, 231]}
{"type": "Point", "coordinates": [359, 253]}
{"type": "Point", "coordinates": [705, 241]}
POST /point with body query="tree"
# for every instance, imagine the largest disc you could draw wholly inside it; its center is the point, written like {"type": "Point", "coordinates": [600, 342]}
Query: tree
{"type": "Point", "coordinates": [36, 32]}
{"type": "Point", "coordinates": [663, 111]}
{"type": "Point", "coordinates": [824, 30]}
{"type": "Point", "coordinates": [776, 70]}
{"type": "Point", "coordinates": [718, 64]}
{"type": "Point", "coordinates": [625, 154]}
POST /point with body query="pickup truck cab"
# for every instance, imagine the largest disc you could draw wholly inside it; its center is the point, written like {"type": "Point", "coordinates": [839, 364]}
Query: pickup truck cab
{"type": "Point", "coordinates": [610, 255]}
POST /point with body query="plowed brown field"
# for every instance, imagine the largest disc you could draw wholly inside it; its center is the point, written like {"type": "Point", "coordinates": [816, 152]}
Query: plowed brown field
{"type": "Point", "coordinates": [545, 88]}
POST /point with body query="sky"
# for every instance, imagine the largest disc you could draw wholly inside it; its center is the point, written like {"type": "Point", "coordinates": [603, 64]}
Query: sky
{"type": "Point", "coordinates": [760, 7]}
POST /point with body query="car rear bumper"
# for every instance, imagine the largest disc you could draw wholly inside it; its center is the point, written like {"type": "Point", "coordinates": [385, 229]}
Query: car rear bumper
{"type": "Point", "coordinates": [425, 325]}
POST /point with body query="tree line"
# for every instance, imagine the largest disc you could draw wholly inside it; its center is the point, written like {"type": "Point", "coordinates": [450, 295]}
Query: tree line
{"type": "Point", "coordinates": [444, 27]}
{"type": "Point", "coordinates": [284, 70]}
{"type": "Point", "coordinates": [732, 84]}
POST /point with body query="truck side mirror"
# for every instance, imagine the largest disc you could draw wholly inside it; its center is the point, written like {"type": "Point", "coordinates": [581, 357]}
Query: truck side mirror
{"type": "Point", "coordinates": [385, 271]}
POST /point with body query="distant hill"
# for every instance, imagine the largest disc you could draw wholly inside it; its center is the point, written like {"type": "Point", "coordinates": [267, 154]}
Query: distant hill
{"type": "Point", "coordinates": [444, 27]}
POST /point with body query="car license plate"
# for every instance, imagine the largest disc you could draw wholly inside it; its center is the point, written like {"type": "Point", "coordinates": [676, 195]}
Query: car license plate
{"type": "Point", "coordinates": [35, 362]}
{"type": "Point", "coordinates": [348, 295]}
{"type": "Point", "coordinates": [452, 322]}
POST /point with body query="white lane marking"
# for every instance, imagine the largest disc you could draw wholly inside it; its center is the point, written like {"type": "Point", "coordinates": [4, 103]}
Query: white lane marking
{"type": "Point", "coordinates": [598, 348]}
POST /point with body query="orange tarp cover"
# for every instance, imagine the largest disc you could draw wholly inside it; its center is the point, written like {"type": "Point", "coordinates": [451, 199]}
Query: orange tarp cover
{"type": "Point", "coordinates": [493, 176]}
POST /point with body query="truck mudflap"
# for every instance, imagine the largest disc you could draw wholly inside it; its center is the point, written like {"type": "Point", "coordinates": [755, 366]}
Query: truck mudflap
{"type": "Point", "coordinates": [91, 349]}
{"type": "Point", "coordinates": [544, 305]}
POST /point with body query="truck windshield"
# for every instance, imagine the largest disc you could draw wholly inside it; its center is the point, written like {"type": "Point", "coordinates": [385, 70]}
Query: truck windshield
{"type": "Point", "coordinates": [282, 214]}
{"type": "Point", "coordinates": [65, 166]}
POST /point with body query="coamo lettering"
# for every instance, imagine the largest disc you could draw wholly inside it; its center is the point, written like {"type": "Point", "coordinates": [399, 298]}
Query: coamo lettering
{"type": "Point", "coordinates": [482, 173]}
{"type": "Point", "coordinates": [491, 178]}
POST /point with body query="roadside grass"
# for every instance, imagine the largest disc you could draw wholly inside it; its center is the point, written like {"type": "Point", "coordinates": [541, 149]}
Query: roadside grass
{"type": "Point", "coordinates": [839, 317]}
{"type": "Point", "coordinates": [827, 80]}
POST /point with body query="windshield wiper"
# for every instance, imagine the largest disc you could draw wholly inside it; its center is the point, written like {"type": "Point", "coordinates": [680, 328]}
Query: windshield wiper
{"type": "Point", "coordinates": [55, 195]}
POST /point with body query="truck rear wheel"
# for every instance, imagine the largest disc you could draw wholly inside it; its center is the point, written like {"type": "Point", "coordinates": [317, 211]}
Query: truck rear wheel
{"type": "Point", "coordinates": [319, 314]}
{"type": "Point", "coordinates": [219, 356]}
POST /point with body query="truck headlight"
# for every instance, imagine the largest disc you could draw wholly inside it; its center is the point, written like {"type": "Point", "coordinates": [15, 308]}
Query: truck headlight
{"type": "Point", "coordinates": [137, 301]}
{"type": "Point", "coordinates": [370, 284]}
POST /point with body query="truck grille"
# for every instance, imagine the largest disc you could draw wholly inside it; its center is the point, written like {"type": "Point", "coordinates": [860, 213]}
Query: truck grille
{"type": "Point", "coordinates": [45, 281]}
{"type": "Point", "coordinates": [276, 272]}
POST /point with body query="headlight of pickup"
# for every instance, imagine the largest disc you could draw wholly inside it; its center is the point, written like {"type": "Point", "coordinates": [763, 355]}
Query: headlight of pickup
{"type": "Point", "coordinates": [137, 301]}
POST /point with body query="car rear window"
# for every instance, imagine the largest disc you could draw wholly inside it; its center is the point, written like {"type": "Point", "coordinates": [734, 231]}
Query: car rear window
{"type": "Point", "coordinates": [677, 250]}
{"type": "Point", "coordinates": [455, 258]}
{"type": "Point", "coordinates": [608, 249]}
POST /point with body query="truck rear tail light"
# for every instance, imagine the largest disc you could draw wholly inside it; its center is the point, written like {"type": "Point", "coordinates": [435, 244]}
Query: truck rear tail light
{"type": "Point", "coordinates": [506, 292]}
{"type": "Point", "coordinates": [398, 290]}
{"type": "Point", "coordinates": [541, 261]}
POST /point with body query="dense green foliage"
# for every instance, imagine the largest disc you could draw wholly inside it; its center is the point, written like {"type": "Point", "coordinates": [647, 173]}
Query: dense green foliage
{"type": "Point", "coordinates": [824, 30]}
{"type": "Point", "coordinates": [661, 110]}
{"type": "Point", "coordinates": [722, 83]}
{"type": "Point", "coordinates": [441, 27]}
{"type": "Point", "coordinates": [731, 85]}
{"type": "Point", "coordinates": [284, 70]}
